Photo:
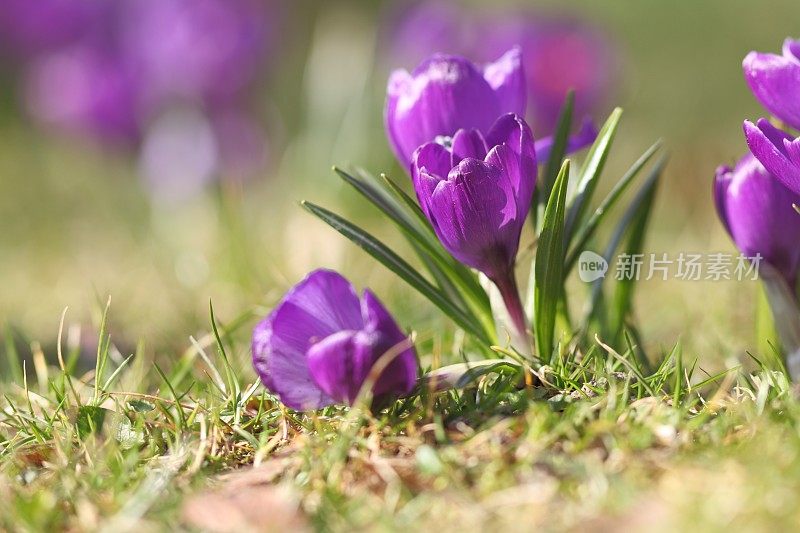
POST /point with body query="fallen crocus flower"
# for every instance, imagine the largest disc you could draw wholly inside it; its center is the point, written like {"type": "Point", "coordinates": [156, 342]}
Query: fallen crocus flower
{"type": "Point", "coordinates": [322, 342]}
{"type": "Point", "coordinates": [777, 151]}
{"type": "Point", "coordinates": [757, 211]}
{"type": "Point", "coordinates": [477, 192]}
{"type": "Point", "coordinates": [775, 81]}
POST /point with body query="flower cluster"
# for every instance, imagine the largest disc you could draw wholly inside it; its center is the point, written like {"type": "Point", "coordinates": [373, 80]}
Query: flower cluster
{"type": "Point", "coordinates": [173, 74]}
{"type": "Point", "coordinates": [758, 200]}
{"type": "Point", "coordinates": [458, 129]}
{"type": "Point", "coordinates": [755, 198]}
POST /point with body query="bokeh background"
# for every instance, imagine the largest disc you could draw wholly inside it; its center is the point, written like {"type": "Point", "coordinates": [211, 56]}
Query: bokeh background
{"type": "Point", "coordinates": [156, 150]}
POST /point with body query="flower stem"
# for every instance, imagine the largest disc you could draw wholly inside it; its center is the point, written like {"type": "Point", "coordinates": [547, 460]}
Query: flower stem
{"type": "Point", "coordinates": [507, 285]}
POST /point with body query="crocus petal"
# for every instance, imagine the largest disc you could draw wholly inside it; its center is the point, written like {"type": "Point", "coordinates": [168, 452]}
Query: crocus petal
{"type": "Point", "coordinates": [512, 167]}
{"type": "Point", "coordinates": [722, 181]}
{"type": "Point", "coordinates": [340, 363]}
{"type": "Point", "coordinates": [577, 142]}
{"type": "Point", "coordinates": [470, 214]}
{"type": "Point", "coordinates": [321, 305]}
{"type": "Point", "coordinates": [399, 83]}
{"type": "Point", "coordinates": [766, 143]}
{"type": "Point", "coordinates": [431, 164]}
{"type": "Point", "coordinates": [761, 220]}
{"type": "Point", "coordinates": [434, 159]}
{"type": "Point", "coordinates": [467, 143]}
{"type": "Point", "coordinates": [791, 49]}
{"type": "Point", "coordinates": [513, 132]}
{"type": "Point", "coordinates": [444, 94]}
{"type": "Point", "coordinates": [775, 135]}
{"type": "Point", "coordinates": [507, 77]}
{"type": "Point", "coordinates": [775, 82]}
{"type": "Point", "coordinates": [792, 149]}
{"type": "Point", "coordinates": [400, 375]}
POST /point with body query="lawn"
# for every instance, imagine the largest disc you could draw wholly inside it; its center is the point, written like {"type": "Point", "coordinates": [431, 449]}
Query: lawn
{"type": "Point", "coordinates": [254, 278]}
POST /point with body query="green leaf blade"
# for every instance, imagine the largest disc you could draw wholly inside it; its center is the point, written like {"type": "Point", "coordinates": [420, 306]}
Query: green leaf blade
{"type": "Point", "coordinates": [591, 171]}
{"type": "Point", "coordinates": [587, 230]}
{"type": "Point", "coordinates": [548, 270]}
{"type": "Point", "coordinates": [396, 264]}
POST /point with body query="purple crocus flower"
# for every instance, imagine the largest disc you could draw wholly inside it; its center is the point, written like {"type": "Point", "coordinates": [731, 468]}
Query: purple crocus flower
{"type": "Point", "coordinates": [447, 93]}
{"type": "Point", "coordinates": [757, 211]}
{"type": "Point", "coordinates": [320, 343]}
{"type": "Point", "coordinates": [777, 151]}
{"type": "Point", "coordinates": [775, 81]}
{"type": "Point", "coordinates": [477, 192]}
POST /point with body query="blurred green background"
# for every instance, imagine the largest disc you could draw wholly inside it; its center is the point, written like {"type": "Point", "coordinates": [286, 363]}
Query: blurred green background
{"type": "Point", "coordinates": [78, 224]}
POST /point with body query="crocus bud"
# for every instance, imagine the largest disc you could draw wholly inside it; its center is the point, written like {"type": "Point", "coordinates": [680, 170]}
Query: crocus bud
{"type": "Point", "coordinates": [775, 81]}
{"type": "Point", "coordinates": [447, 93]}
{"type": "Point", "coordinates": [477, 192]}
{"type": "Point", "coordinates": [322, 342]}
{"type": "Point", "coordinates": [777, 151]}
{"type": "Point", "coordinates": [757, 211]}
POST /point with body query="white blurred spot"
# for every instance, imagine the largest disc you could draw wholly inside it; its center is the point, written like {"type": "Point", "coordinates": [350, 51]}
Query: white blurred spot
{"type": "Point", "coordinates": [179, 155]}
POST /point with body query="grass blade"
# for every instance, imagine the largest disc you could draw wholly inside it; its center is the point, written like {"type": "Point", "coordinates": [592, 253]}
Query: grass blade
{"type": "Point", "coordinates": [619, 233]}
{"type": "Point", "coordinates": [449, 274]}
{"type": "Point", "coordinates": [587, 230]}
{"type": "Point", "coordinates": [591, 171]}
{"type": "Point", "coordinates": [557, 154]}
{"type": "Point", "coordinates": [396, 264]}
{"type": "Point", "coordinates": [549, 266]}
{"type": "Point", "coordinates": [12, 354]}
{"type": "Point", "coordinates": [623, 294]}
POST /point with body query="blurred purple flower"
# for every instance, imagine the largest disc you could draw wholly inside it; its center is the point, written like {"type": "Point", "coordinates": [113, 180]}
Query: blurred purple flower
{"type": "Point", "coordinates": [143, 72]}
{"type": "Point", "coordinates": [777, 151]}
{"type": "Point", "coordinates": [558, 55]}
{"type": "Point", "coordinates": [319, 345]}
{"type": "Point", "coordinates": [447, 93]}
{"type": "Point", "coordinates": [197, 49]}
{"type": "Point", "coordinates": [30, 27]}
{"type": "Point", "coordinates": [758, 214]}
{"type": "Point", "coordinates": [477, 193]}
{"type": "Point", "coordinates": [775, 81]}
{"type": "Point", "coordinates": [414, 31]}
{"type": "Point", "coordinates": [83, 90]}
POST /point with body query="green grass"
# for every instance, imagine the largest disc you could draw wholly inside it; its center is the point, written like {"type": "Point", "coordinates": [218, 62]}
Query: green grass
{"type": "Point", "coordinates": [594, 440]}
